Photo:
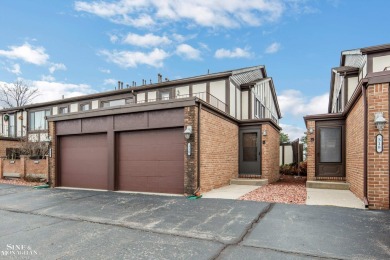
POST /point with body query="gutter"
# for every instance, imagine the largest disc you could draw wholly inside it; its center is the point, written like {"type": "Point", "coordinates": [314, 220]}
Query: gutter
{"type": "Point", "coordinates": [365, 176]}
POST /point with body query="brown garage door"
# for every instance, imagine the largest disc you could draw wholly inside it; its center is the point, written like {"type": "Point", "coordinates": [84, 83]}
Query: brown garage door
{"type": "Point", "coordinates": [151, 161]}
{"type": "Point", "coordinates": [83, 161]}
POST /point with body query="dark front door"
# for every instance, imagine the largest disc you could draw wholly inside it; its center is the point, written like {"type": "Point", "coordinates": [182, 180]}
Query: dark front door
{"type": "Point", "coordinates": [250, 151]}
{"type": "Point", "coordinates": [329, 149]}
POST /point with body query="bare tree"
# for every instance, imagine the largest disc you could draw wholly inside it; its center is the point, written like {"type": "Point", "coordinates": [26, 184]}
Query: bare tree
{"type": "Point", "coordinates": [17, 94]}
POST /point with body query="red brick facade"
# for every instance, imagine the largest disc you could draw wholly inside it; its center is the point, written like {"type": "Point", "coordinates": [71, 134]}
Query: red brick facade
{"type": "Point", "coordinates": [24, 167]}
{"type": "Point", "coordinates": [378, 163]}
{"type": "Point", "coordinates": [310, 152]}
{"type": "Point", "coordinates": [7, 143]}
{"type": "Point", "coordinates": [218, 151]}
{"type": "Point", "coordinates": [270, 153]}
{"type": "Point", "coordinates": [355, 149]}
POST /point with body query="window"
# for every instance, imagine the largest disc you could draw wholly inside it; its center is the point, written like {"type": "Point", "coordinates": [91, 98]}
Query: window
{"type": "Point", "coordinates": [113, 103]}
{"type": "Point", "coordinates": [165, 95]}
{"type": "Point", "coordinates": [85, 107]}
{"type": "Point", "coordinates": [259, 109]}
{"type": "Point", "coordinates": [38, 120]}
{"type": "Point", "coordinates": [64, 110]}
{"type": "Point", "coordinates": [11, 125]}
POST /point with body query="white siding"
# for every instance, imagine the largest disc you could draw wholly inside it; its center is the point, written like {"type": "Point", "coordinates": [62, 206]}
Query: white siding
{"type": "Point", "coordinates": [140, 97]}
{"type": "Point", "coordinates": [380, 63]}
{"type": "Point", "coordinates": [152, 96]}
{"type": "Point", "coordinates": [182, 91]}
{"type": "Point", "coordinates": [238, 97]}
{"type": "Point", "coordinates": [33, 137]}
{"type": "Point", "coordinates": [280, 155]}
{"type": "Point", "coordinates": [95, 104]}
{"type": "Point", "coordinates": [352, 84]}
{"type": "Point", "coordinates": [199, 90]}
{"type": "Point", "coordinates": [244, 106]}
{"type": "Point", "coordinates": [218, 90]}
{"type": "Point", "coordinates": [232, 99]}
{"type": "Point", "coordinates": [25, 115]}
{"type": "Point", "coordinates": [19, 130]}
{"type": "Point", "coordinates": [252, 108]}
{"type": "Point", "coordinates": [55, 110]}
{"type": "Point", "coordinates": [1, 123]}
{"type": "Point", "coordinates": [74, 107]}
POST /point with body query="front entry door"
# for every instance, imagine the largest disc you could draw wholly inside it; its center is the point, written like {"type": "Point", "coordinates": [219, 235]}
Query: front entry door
{"type": "Point", "coordinates": [250, 152]}
{"type": "Point", "coordinates": [330, 155]}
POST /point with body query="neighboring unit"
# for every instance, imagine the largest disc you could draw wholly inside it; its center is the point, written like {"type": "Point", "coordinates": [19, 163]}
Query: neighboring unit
{"type": "Point", "coordinates": [172, 136]}
{"type": "Point", "coordinates": [351, 143]}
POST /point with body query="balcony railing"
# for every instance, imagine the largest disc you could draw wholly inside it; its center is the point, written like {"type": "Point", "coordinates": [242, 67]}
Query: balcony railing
{"type": "Point", "coordinates": [207, 97]}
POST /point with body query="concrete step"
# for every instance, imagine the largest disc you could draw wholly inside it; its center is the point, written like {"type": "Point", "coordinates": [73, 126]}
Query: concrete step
{"type": "Point", "coordinates": [328, 185]}
{"type": "Point", "coordinates": [254, 182]}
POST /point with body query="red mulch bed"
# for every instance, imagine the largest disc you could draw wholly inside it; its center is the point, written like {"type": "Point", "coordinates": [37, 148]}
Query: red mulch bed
{"type": "Point", "coordinates": [289, 189]}
{"type": "Point", "coordinates": [17, 181]}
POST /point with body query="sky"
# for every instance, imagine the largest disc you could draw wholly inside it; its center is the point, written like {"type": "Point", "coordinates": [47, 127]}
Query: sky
{"type": "Point", "coordinates": [73, 48]}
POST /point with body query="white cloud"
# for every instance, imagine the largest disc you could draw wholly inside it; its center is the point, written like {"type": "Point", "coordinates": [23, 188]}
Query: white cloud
{"type": "Point", "coordinates": [15, 69]}
{"type": "Point", "coordinates": [236, 53]}
{"type": "Point", "coordinates": [57, 66]}
{"type": "Point", "coordinates": [106, 71]}
{"type": "Point", "coordinates": [49, 91]}
{"type": "Point", "coordinates": [47, 78]}
{"type": "Point", "coordinates": [131, 59]}
{"type": "Point", "coordinates": [294, 102]}
{"type": "Point", "coordinates": [26, 52]}
{"type": "Point", "coordinates": [147, 40]}
{"type": "Point", "coordinates": [114, 38]}
{"type": "Point", "coordinates": [110, 82]}
{"type": "Point", "coordinates": [217, 13]}
{"type": "Point", "coordinates": [293, 131]}
{"type": "Point", "coordinates": [273, 48]}
{"type": "Point", "coordinates": [188, 52]}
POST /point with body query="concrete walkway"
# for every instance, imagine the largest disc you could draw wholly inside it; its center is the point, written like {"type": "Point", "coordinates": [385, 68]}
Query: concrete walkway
{"type": "Point", "coordinates": [339, 198]}
{"type": "Point", "coordinates": [229, 192]}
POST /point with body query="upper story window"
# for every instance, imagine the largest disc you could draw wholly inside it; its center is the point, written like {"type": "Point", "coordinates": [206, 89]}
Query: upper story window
{"type": "Point", "coordinates": [38, 120]}
{"type": "Point", "coordinates": [85, 107]}
{"type": "Point", "coordinates": [165, 95]}
{"type": "Point", "coordinates": [113, 103]}
{"type": "Point", "coordinates": [64, 110]}
{"type": "Point", "coordinates": [259, 109]}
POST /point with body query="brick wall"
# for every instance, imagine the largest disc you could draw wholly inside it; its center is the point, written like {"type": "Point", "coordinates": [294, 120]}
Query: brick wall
{"type": "Point", "coordinates": [7, 143]}
{"type": "Point", "coordinates": [52, 160]}
{"type": "Point", "coordinates": [219, 151]}
{"type": "Point", "coordinates": [270, 153]}
{"type": "Point", "coordinates": [378, 163]}
{"type": "Point", "coordinates": [24, 166]}
{"type": "Point", "coordinates": [355, 149]}
{"type": "Point", "coordinates": [310, 151]}
{"type": "Point", "coordinates": [190, 161]}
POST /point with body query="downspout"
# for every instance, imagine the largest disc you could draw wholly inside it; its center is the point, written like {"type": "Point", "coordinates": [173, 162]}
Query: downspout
{"type": "Point", "coordinates": [365, 198]}
{"type": "Point", "coordinates": [198, 152]}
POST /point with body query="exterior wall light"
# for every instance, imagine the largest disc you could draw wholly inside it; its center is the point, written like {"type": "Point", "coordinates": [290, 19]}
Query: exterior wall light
{"type": "Point", "coordinates": [380, 121]}
{"type": "Point", "coordinates": [311, 130]}
{"type": "Point", "coordinates": [264, 132]}
{"type": "Point", "coordinates": [188, 132]}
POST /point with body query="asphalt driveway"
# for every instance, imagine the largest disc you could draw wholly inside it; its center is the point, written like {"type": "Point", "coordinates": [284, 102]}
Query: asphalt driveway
{"type": "Point", "coordinates": [73, 224]}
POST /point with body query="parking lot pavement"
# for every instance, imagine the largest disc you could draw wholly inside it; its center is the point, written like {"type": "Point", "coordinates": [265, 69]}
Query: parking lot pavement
{"type": "Point", "coordinates": [72, 224]}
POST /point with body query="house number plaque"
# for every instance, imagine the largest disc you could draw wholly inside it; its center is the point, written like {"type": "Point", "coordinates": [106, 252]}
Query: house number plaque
{"type": "Point", "coordinates": [379, 143]}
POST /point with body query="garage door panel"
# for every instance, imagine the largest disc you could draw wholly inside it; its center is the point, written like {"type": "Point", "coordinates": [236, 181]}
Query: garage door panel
{"type": "Point", "coordinates": [83, 161]}
{"type": "Point", "coordinates": [151, 161]}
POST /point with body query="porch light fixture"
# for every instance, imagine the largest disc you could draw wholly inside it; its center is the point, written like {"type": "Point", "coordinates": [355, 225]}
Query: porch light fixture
{"type": "Point", "coordinates": [264, 132]}
{"type": "Point", "coordinates": [380, 121]}
{"type": "Point", "coordinates": [188, 132]}
{"type": "Point", "coordinates": [311, 130]}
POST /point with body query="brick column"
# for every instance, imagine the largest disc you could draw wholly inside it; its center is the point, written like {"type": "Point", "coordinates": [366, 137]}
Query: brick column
{"type": "Point", "coordinates": [378, 163]}
{"type": "Point", "coordinates": [311, 151]}
{"type": "Point", "coordinates": [270, 153]}
{"type": "Point", "coordinates": [52, 160]}
{"type": "Point", "coordinates": [190, 161]}
{"type": "Point", "coordinates": [1, 167]}
{"type": "Point", "coordinates": [22, 166]}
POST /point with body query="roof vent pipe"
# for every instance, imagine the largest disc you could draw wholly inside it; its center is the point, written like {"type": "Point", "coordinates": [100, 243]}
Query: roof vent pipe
{"type": "Point", "coordinates": [159, 78]}
{"type": "Point", "coordinates": [122, 85]}
{"type": "Point", "coordinates": [119, 85]}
